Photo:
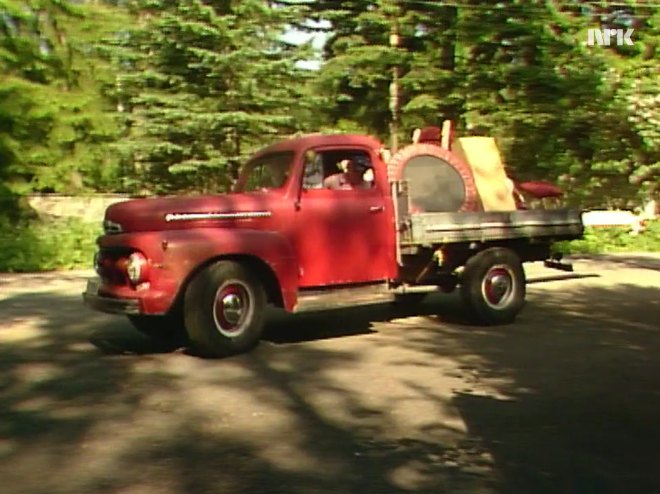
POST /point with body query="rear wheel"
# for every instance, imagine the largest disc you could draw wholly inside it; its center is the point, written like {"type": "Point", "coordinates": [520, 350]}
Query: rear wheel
{"type": "Point", "coordinates": [493, 286]}
{"type": "Point", "coordinates": [224, 310]}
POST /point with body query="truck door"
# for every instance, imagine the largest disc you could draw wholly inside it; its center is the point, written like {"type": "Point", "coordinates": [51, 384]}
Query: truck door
{"type": "Point", "coordinates": [346, 235]}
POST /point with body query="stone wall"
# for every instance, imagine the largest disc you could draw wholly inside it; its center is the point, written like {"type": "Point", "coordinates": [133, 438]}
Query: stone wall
{"type": "Point", "coordinates": [87, 208]}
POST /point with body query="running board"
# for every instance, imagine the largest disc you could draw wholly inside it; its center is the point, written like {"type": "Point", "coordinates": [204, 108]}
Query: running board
{"type": "Point", "coordinates": [337, 298]}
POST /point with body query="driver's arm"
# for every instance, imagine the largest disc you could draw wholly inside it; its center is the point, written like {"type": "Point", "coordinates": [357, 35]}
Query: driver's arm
{"type": "Point", "coordinates": [333, 181]}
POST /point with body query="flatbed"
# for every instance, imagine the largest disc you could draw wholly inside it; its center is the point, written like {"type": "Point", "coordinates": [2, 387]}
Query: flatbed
{"type": "Point", "coordinates": [534, 225]}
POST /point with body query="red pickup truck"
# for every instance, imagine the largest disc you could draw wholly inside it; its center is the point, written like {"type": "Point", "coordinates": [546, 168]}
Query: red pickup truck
{"type": "Point", "coordinates": [206, 266]}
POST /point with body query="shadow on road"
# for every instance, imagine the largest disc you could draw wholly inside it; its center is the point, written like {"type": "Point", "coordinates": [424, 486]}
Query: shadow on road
{"type": "Point", "coordinates": [566, 400]}
{"type": "Point", "coordinates": [73, 419]}
{"type": "Point", "coordinates": [283, 328]}
{"type": "Point", "coordinates": [577, 396]}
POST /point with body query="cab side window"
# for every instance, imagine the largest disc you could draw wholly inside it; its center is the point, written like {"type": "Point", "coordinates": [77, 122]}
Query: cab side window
{"type": "Point", "coordinates": [343, 169]}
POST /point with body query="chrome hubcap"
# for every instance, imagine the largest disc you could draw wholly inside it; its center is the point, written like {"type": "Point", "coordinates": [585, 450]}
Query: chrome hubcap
{"type": "Point", "coordinates": [232, 307]}
{"type": "Point", "coordinates": [230, 310]}
{"type": "Point", "coordinates": [498, 287]}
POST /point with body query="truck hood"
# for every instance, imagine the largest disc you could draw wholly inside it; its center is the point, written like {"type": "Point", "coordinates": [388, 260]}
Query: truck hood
{"type": "Point", "coordinates": [165, 213]}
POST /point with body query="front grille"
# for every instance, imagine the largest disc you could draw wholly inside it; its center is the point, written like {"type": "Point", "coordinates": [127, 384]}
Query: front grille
{"type": "Point", "coordinates": [111, 265]}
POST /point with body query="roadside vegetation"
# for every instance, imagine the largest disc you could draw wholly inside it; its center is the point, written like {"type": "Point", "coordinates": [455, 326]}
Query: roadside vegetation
{"type": "Point", "coordinates": [44, 245]}
{"type": "Point", "coordinates": [603, 240]}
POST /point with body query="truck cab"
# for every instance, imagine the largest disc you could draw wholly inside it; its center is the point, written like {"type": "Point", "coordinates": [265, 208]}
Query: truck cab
{"type": "Point", "coordinates": [297, 233]}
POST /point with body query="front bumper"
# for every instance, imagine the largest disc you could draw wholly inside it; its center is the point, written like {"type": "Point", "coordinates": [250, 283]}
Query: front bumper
{"type": "Point", "coordinates": [109, 305]}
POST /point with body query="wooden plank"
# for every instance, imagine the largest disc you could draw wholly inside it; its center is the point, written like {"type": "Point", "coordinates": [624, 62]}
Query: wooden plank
{"type": "Point", "coordinates": [494, 187]}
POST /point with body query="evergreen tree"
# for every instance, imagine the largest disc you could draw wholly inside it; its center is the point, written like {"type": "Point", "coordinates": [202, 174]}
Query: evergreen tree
{"type": "Point", "coordinates": [169, 95]}
{"type": "Point", "coordinates": [56, 124]}
{"type": "Point", "coordinates": [629, 145]}
{"type": "Point", "coordinates": [519, 71]}
{"type": "Point", "coordinates": [206, 82]}
{"type": "Point", "coordinates": [26, 65]}
{"type": "Point", "coordinates": [86, 125]}
{"type": "Point", "coordinates": [356, 77]}
{"type": "Point", "coordinates": [560, 108]}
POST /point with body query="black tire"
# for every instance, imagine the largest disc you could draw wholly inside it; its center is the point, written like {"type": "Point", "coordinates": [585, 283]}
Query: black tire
{"type": "Point", "coordinates": [235, 326]}
{"type": "Point", "coordinates": [168, 328]}
{"type": "Point", "coordinates": [493, 287]}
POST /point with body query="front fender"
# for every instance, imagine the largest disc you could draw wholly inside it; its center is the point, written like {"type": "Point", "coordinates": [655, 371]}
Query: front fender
{"type": "Point", "coordinates": [186, 251]}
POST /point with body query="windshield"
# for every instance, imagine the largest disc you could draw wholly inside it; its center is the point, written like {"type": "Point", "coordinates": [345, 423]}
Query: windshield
{"type": "Point", "coordinates": [266, 172]}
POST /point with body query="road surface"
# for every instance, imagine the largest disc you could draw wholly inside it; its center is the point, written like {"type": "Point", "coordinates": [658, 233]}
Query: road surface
{"type": "Point", "coordinates": [376, 400]}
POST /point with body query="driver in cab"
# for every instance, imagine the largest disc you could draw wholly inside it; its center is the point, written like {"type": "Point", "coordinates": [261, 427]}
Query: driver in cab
{"type": "Point", "coordinates": [353, 176]}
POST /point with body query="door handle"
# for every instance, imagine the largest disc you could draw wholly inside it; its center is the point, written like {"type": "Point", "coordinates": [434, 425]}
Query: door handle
{"type": "Point", "coordinates": [376, 209]}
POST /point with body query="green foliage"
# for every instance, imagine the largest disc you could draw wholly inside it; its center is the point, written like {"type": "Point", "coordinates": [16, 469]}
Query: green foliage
{"type": "Point", "coordinates": [56, 120]}
{"type": "Point", "coordinates": [586, 117]}
{"type": "Point", "coordinates": [29, 246]}
{"type": "Point", "coordinates": [171, 96]}
{"type": "Point", "coordinates": [24, 124]}
{"type": "Point", "coordinates": [205, 84]}
{"type": "Point", "coordinates": [604, 240]}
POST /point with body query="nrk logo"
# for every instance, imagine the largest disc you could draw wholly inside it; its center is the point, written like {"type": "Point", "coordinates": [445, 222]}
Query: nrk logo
{"type": "Point", "coordinates": [608, 37]}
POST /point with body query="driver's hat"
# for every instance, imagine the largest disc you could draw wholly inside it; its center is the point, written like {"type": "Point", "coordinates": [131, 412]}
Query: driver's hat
{"type": "Point", "coordinates": [361, 162]}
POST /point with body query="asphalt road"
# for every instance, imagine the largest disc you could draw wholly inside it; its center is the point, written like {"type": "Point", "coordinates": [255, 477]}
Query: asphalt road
{"type": "Point", "coordinates": [377, 400]}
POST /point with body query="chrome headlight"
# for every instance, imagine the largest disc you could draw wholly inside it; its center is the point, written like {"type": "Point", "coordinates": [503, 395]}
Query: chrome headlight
{"type": "Point", "coordinates": [137, 268]}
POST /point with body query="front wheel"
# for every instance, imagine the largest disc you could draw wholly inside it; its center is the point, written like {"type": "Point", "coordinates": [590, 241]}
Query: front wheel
{"type": "Point", "coordinates": [224, 310]}
{"type": "Point", "coordinates": [493, 286]}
